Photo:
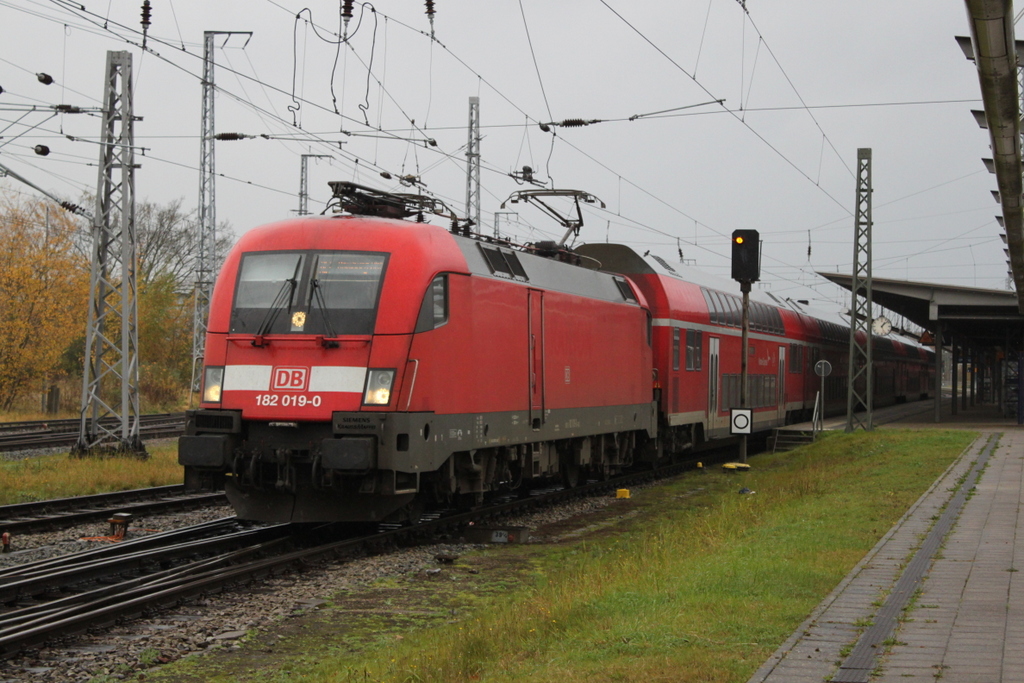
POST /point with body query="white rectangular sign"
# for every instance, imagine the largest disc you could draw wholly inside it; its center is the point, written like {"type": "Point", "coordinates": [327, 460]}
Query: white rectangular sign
{"type": "Point", "coordinates": [741, 421]}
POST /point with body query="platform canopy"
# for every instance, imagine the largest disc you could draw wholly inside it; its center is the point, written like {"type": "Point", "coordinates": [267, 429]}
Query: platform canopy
{"type": "Point", "coordinates": [994, 49]}
{"type": "Point", "coordinates": [986, 317]}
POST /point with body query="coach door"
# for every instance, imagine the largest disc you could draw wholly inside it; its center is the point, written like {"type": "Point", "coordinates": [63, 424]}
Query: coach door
{"type": "Point", "coordinates": [780, 395]}
{"type": "Point", "coordinates": [714, 378]}
{"type": "Point", "coordinates": [536, 351]}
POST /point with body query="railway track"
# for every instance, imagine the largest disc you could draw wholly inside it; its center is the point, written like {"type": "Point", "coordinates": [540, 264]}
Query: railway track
{"type": "Point", "coordinates": [65, 512]}
{"type": "Point", "coordinates": [151, 575]}
{"type": "Point", "coordinates": [18, 436]}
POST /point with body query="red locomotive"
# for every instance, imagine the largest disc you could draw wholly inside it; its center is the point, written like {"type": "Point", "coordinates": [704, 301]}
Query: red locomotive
{"type": "Point", "coordinates": [364, 368]}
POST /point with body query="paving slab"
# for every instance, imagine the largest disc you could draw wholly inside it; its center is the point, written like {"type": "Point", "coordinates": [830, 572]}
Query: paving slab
{"type": "Point", "coordinates": [935, 619]}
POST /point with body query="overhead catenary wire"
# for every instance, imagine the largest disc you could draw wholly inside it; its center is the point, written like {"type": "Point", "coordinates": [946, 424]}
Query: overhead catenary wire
{"type": "Point", "coordinates": [777, 151]}
{"type": "Point", "coordinates": [356, 158]}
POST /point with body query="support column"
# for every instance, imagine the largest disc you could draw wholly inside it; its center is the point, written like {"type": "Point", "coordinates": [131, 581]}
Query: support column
{"type": "Point", "coordinates": [938, 371]}
{"type": "Point", "coordinates": [963, 377]}
{"type": "Point", "coordinates": [973, 387]}
{"type": "Point", "coordinates": [955, 349]}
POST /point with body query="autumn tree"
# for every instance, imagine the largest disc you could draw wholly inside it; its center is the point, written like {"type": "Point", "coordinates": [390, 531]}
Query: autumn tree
{"type": "Point", "coordinates": [44, 284]}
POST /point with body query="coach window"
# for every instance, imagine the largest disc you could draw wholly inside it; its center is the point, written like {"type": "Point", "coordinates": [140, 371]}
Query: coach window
{"type": "Point", "coordinates": [796, 358]}
{"type": "Point", "coordinates": [756, 316]}
{"type": "Point", "coordinates": [736, 308]}
{"type": "Point", "coordinates": [434, 311]}
{"type": "Point", "coordinates": [694, 349]}
{"type": "Point", "coordinates": [676, 333]}
{"type": "Point", "coordinates": [709, 299]}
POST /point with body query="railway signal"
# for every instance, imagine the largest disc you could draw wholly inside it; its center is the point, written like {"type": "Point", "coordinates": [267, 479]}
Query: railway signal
{"type": "Point", "coordinates": [746, 268]}
{"type": "Point", "coordinates": [746, 256]}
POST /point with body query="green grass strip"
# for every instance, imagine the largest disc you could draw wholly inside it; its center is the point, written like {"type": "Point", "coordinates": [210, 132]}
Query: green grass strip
{"type": "Point", "coordinates": [61, 476]}
{"type": "Point", "coordinates": [702, 585]}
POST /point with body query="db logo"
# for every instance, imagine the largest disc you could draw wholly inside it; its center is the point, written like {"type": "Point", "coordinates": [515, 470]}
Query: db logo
{"type": "Point", "coordinates": [290, 379]}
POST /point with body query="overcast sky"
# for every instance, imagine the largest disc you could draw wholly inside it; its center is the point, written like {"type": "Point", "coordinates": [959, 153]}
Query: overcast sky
{"type": "Point", "coordinates": [805, 83]}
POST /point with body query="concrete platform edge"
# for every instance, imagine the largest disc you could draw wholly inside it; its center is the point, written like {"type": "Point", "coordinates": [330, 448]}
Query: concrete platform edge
{"type": "Point", "coordinates": [938, 488]}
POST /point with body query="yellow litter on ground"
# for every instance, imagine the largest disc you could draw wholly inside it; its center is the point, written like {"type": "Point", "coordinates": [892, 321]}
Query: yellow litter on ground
{"type": "Point", "coordinates": [735, 467]}
{"type": "Point", "coordinates": [622, 493]}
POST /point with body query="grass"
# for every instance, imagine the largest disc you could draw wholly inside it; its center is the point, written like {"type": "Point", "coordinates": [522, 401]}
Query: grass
{"type": "Point", "coordinates": [61, 476]}
{"type": "Point", "coordinates": [702, 585]}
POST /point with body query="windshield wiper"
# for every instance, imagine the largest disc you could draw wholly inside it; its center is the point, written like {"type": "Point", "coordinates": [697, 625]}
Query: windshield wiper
{"type": "Point", "coordinates": [283, 298]}
{"type": "Point", "coordinates": [317, 293]}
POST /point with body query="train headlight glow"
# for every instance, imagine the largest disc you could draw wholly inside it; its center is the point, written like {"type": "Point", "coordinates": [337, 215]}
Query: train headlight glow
{"type": "Point", "coordinates": [378, 387]}
{"type": "Point", "coordinates": [213, 382]}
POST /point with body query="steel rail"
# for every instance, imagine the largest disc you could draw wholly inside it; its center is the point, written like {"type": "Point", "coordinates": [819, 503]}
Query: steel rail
{"type": "Point", "coordinates": [212, 576]}
{"type": "Point", "coordinates": [140, 564]}
{"type": "Point", "coordinates": [64, 512]}
{"type": "Point", "coordinates": [16, 436]}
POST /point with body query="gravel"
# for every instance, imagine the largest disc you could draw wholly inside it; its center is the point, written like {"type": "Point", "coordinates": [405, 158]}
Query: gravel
{"type": "Point", "coordinates": [223, 619]}
{"type": "Point", "coordinates": [42, 546]}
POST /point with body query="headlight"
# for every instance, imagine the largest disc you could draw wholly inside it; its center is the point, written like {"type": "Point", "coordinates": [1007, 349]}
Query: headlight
{"type": "Point", "coordinates": [213, 382]}
{"type": "Point", "coordinates": [378, 387]}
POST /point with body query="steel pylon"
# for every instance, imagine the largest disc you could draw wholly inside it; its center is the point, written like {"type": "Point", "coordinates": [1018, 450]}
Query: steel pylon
{"type": "Point", "coordinates": [206, 223]}
{"type": "Point", "coordinates": [860, 305]}
{"type": "Point", "coordinates": [473, 165]}
{"type": "Point", "coordinates": [110, 377]}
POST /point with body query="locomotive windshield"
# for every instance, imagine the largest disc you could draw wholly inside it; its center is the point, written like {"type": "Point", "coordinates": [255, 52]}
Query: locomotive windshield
{"type": "Point", "coordinates": [326, 293]}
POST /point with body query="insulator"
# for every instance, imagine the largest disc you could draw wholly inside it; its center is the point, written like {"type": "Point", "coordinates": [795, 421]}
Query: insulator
{"type": "Point", "coordinates": [45, 79]}
{"type": "Point", "coordinates": [385, 175]}
{"type": "Point", "coordinates": [346, 16]}
{"type": "Point", "coordinates": [430, 9]}
{"type": "Point", "coordinates": [64, 108]}
{"type": "Point", "coordinates": [41, 150]}
{"type": "Point", "coordinates": [230, 136]}
{"type": "Point", "coordinates": [73, 208]}
{"type": "Point", "coordinates": [545, 127]}
{"type": "Point", "coordinates": [1, 90]}
{"type": "Point", "coordinates": [147, 14]}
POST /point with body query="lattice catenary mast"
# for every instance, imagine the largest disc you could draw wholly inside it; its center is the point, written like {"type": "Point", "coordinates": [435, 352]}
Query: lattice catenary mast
{"type": "Point", "coordinates": [110, 377]}
{"type": "Point", "coordinates": [304, 181]}
{"type": "Point", "coordinates": [860, 304]}
{"type": "Point", "coordinates": [473, 165]}
{"type": "Point", "coordinates": [206, 224]}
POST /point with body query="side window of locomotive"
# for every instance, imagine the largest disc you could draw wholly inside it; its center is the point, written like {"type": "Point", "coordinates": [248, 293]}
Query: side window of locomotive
{"type": "Point", "coordinates": [434, 311]}
{"type": "Point", "coordinates": [625, 290]}
{"type": "Point", "coordinates": [344, 290]}
{"type": "Point", "coordinates": [268, 289]}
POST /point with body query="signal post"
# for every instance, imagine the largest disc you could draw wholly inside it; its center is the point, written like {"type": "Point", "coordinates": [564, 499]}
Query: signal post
{"type": "Point", "coordinates": [746, 268]}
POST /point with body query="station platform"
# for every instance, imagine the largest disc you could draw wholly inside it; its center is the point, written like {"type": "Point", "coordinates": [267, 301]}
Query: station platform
{"type": "Point", "coordinates": [941, 596]}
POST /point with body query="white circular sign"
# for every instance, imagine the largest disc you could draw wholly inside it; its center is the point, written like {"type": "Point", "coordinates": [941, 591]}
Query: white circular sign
{"type": "Point", "coordinates": [822, 368]}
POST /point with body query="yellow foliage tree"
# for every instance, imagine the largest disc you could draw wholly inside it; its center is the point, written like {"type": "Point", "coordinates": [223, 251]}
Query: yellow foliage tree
{"type": "Point", "coordinates": [44, 289]}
